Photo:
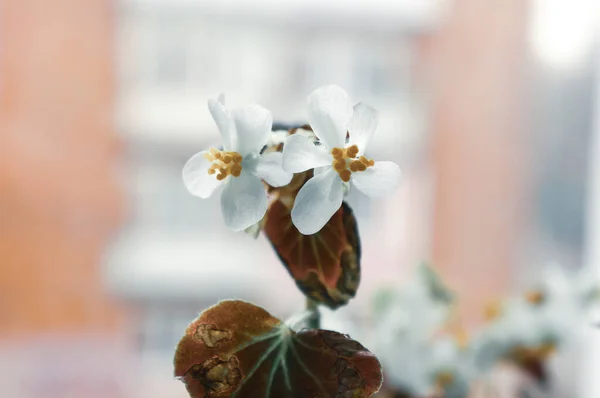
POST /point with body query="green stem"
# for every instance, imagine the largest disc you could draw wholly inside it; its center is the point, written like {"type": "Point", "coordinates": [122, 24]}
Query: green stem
{"type": "Point", "coordinates": [314, 321]}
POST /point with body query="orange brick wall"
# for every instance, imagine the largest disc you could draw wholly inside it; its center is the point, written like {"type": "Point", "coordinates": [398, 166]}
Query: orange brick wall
{"type": "Point", "coordinates": [60, 201]}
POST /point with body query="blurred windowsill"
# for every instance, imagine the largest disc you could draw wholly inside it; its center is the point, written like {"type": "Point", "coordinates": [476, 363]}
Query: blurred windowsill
{"type": "Point", "coordinates": [192, 266]}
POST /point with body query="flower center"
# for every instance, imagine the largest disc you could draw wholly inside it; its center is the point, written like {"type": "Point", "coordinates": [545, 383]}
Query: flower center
{"type": "Point", "coordinates": [537, 353]}
{"type": "Point", "coordinates": [444, 379]}
{"type": "Point", "coordinates": [462, 338]}
{"type": "Point", "coordinates": [493, 310]}
{"type": "Point", "coordinates": [224, 163]}
{"type": "Point", "coordinates": [535, 297]}
{"type": "Point", "coordinates": [345, 162]}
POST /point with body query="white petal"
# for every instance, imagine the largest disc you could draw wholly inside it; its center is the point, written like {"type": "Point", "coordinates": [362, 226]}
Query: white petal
{"type": "Point", "coordinates": [362, 126]}
{"type": "Point", "coordinates": [319, 170]}
{"type": "Point", "coordinates": [300, 154]}
{"type": "Point", "coordinates": [329, 112]}
{"type": "Point", "coordinates": [196, 177]}
{"type": "Point", "coordinates": [253, 125]}
{"type": "Point", "coordinates": [243, 201]}
{"type": "Point", "coordinates": [378, 180]}
{"type": "Point", "coordinates": [317, 201]}
{"type": "Point", "coordinates": [268, 167]}
{"type": "Point", "coordinates": [223, 121]}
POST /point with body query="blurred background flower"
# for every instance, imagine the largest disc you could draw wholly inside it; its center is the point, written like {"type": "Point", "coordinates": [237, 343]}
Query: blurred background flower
{"type": "Point", "coordinates": [421, 348]}
{"type": "Point", "coordinates": [489, 107]}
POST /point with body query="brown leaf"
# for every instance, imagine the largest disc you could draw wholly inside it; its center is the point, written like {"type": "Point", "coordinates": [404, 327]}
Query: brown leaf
{"type": "Point", "coordinates": [536, 370]}
{"type": "Point", "coordinates": [236, 349]}
{"type": "Point", "coordinates": [532, 360]}
{"type": "Point", "coordinates": [325, 265]}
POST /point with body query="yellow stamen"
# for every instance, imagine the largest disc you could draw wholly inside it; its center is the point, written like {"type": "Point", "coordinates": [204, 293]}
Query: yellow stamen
{"type": "Point", "coordinates": [352, 151]}
{"type": "Point", "coordinates": [366, 162]}
{"type": "Point", "coordinates": [337, 153]}
{"type": "Point", "coordinates": [339, 165]}
{"type": "Point", "coordinates": [235, 170]}
{"type": "Point", "coordinates": [345, 162]}
{"type": "Point", "coordinates": [535, 297]}
{"type": "Point", "coordinates": [492, 311]}
{"type": "Point", "coordinates": [462, 338]}
{"type": "Point", "coordinates": [357, 165]}
{"type": "Point", "coordinates": [345, 175]}
{"type": "Point", "coordinates": [224, 163]}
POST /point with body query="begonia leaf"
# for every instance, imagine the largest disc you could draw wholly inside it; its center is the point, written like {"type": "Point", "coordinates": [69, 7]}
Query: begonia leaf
{"type": "Point", "coordinates": [325, 265]}
{"type": "Point", "coordinates": [236, 349]}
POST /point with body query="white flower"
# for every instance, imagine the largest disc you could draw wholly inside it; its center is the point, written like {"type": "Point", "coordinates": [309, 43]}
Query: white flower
{"type": "Point", "coordinates": [558, 284]}
{"type": "Point", "coordinates": [566, 297]}
{"type": "Point", "coordinates": [521, 322]}
{"type": "Point", "coordinates": [408, 339]}
{"type": "Point", "coordinates": [336, 161]}
{"type": "Point", "coordinates": [239, 166]}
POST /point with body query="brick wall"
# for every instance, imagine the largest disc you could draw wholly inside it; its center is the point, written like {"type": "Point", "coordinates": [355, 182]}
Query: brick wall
{"type": "Point", "coordinates": [60, 199]}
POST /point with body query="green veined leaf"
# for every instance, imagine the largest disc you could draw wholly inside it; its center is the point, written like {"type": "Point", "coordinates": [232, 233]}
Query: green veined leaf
{"type": "Point", "coordinates": [325, 265]}
{"type": "Point", "coordinates": [236, 349]}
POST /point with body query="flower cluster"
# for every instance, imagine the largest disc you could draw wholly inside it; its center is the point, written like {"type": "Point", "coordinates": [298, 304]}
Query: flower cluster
{"type": "Point", "coordinates": [421, 353]}
{"type": "Point", "coordinates": [425, 352]}
{"type": "Point", "coordinates": [527, 329]}
{"type": "Point", "coordinates": [337, 156]}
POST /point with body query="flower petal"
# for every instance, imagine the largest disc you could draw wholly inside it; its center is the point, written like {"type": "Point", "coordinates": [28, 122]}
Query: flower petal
{"type": "Point", "coordinates": [329, 112]}
{"type": "Point", "coordinates": [268, 167]}
{"type": "Point", "coordinates": [243, 201]}
{"type": "Point", "coordinates": [362, 126]}
{"type": "Point", "coordinates": [378, 180]}
{"type": "Point", "coordinates": [317, 201]}
{"type": "Point", "coordinates": [196, 177]}
{"type": "Point", "coordinates": [223, 121]}
{"type": "Point", "coordinates": [300, 154]}
{"type": "Point", "coordinates": [253, 126]}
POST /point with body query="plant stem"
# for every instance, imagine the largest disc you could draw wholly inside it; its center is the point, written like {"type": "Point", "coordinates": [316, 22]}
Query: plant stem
{"type": "Point", "coordinates": [314, 321]}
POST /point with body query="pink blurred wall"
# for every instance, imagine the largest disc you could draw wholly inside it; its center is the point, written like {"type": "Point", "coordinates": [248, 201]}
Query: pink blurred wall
{"type": "Point", "coordinates": [58, 176]}
{"type": "Point", "coordinates": [474, 66]}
